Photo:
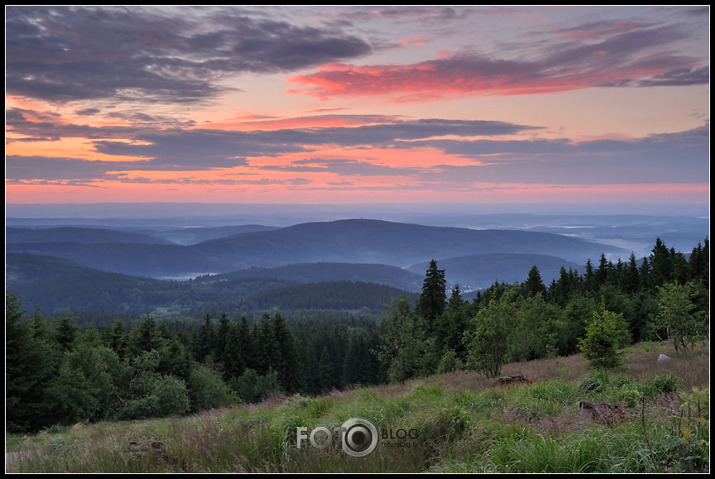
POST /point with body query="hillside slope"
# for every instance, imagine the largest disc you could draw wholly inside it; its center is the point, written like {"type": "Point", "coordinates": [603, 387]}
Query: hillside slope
{"type": "Point", "coordinates": [396, 244]}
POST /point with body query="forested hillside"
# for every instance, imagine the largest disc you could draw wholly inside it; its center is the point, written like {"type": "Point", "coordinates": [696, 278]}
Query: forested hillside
{"type": "Point", "coordinates": [58, 373]}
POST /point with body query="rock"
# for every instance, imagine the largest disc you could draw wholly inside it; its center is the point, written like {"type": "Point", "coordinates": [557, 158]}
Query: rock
{"type": "Point", "coordinates": [663, 357]}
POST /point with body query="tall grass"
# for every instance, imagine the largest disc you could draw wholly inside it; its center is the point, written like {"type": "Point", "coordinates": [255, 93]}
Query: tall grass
{"type": "Point", "coordinates": [462, 422]}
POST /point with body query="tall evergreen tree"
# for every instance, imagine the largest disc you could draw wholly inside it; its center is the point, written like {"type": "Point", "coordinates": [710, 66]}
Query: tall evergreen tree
{"type": "Point", "coordinates": [30, 364]}
{"type": "Point", "coordinates": [590, 283]}
{"type": "Point", "coordinates": [66, 332]}
{"type": "Point", "coordinates": [432, 301]}
{"type": "Point", "coordinates": [238, 349]}
{"type": "Point", "coordinates": [401, 343]}
{"type": "Point", "coordinates": [204, 341]}
{"type": "Point", "coordinates": [534, 284]}
{"type": "Point", "coordinates": [287, 359]}
{"type": "Point", "coordinates": [629, 277]}
{"type": "Point", "coordinates": [661, 264]}
{"type": "Point", "coordinates": [360, 366]}
{"type": "Point", "coordinates": [220, 340]}
{"type": "Point", "coordinates": [453, 323]}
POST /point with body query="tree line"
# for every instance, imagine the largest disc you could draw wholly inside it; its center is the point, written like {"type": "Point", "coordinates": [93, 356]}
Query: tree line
{"type": "Point", "coordinates": [59, 373]}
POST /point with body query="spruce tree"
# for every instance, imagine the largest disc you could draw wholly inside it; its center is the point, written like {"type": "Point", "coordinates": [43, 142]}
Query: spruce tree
{"type": "Point", "coordinates": [432, 301]}
{"type": "Point", "coordinates": [534, 284]}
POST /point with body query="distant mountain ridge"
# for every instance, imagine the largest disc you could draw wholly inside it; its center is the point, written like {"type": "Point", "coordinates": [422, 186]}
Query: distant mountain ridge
{"type": "Point", "coordinates": [342, 241]}
{"type": "Point", "coordinates": [77, 234]}
{"type": "Point", "coordinates": [383, 242]}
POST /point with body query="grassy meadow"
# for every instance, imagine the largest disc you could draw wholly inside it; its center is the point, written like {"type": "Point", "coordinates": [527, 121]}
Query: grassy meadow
{"type": "Point", "coordinates": [462, 421]}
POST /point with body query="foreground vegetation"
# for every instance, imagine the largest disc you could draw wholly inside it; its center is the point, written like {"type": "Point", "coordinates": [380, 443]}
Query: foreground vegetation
{"type": "Point", "coordinates": [58, 373]}
{"type": "Point", "coordinates": [463, 423]}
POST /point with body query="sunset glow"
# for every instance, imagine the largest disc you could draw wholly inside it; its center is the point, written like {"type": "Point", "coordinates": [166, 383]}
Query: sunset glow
{"type": "Point", "coordinates": [357, 104]}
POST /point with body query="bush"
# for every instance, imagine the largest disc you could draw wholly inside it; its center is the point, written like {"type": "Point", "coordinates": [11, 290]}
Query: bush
{"type": "Point", "coordinates": [252, 387]}
{"type": "Point", "coordinates": [449, 362]}
{"type": "Point", "coordinates": [207, 389]}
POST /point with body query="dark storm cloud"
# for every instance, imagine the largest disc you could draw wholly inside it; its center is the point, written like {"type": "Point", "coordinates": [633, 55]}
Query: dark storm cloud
{"type": "Point", "coordinates": [153, 54]}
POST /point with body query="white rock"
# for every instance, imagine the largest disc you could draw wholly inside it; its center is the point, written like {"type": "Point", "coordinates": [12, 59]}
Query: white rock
{"type": "Point", "coordinates": [663, 357]}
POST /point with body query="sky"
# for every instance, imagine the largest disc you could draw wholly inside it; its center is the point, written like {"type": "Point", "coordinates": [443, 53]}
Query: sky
{"type": "Point", "coordinates": [357, 104]}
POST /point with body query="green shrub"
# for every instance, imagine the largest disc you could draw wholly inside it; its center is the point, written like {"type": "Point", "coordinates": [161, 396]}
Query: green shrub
{"type": "Point", "coordinates": [207, 389]}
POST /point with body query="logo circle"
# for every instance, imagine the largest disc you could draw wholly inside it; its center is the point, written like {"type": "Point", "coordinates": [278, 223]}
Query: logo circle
{"type": "Point", "coordinates": [359, 437]}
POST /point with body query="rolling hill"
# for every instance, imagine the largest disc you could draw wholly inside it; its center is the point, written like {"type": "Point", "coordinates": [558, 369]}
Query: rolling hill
{"type": "Point", "coordinates": [320, 272]}
{"type": "Point", "coordinates": [189, 236]}
{"type": "Point", "coordinates": [343, 241]}
{"type": "Point", "coordinates": [481, 271]}
{"type": "Point", "coordinates": [73, 234]}
{"type": "Point", "coordinates": [57, 284]}
{"type": "Point", "coordinates": [382, 242]}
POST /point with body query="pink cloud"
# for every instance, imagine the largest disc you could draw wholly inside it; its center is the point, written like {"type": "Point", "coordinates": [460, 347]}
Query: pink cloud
{"type": "Point", "coordinates": [630, 57]}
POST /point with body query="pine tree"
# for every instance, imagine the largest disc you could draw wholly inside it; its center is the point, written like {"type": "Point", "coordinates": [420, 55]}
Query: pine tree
{"type": "Point", "coordinates": [360, 366]}
{"type": "Point", "coordinates": [454, 322]}
{"type": "Point", "coordinates": [238, 349]}
{"type": "Point", "coordinates": [661, 263]}
{"type": "Point", "coordinates": [287, 363]}
{"type": "Point", "coordinates": [66, 333]}
{"type": "Point", "coordinates": [401, 343]}
{"type": "Point", "coordinates": [629, 277]}
{"type": "Point", "coordinates": [220, 340]}
{"type": "Point", "coordinates": [603, 334]}
{"type": "Point", "coordinates": [30, 364]}
{"type": "Point", "coordinates": [432, 301]}
{"type": "Point", "coordinates": [534, 284]}
{"type": "Point", "coordinates": [590, 282]}
{"type": "Point", "coordinates": [204, 341]}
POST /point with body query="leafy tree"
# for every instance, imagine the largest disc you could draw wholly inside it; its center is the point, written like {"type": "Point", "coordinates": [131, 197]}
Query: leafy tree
{"type": "Point", "coordinates": [207, 389]}
{"type": "Point", "coordinates": [603, 333]}
{"type": "Point", "coordinates": [539, 330]}
{"type": "Point", "coordinates": [449, 362]}
{"type": "Point", "coordinates": [491, 334]}
{"type": "Point", "coordinates": [678, 315]}
{"type": "Point", "coordinates": [91, 385]}
{"type": "Point", "coordinates": [401, 343]}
